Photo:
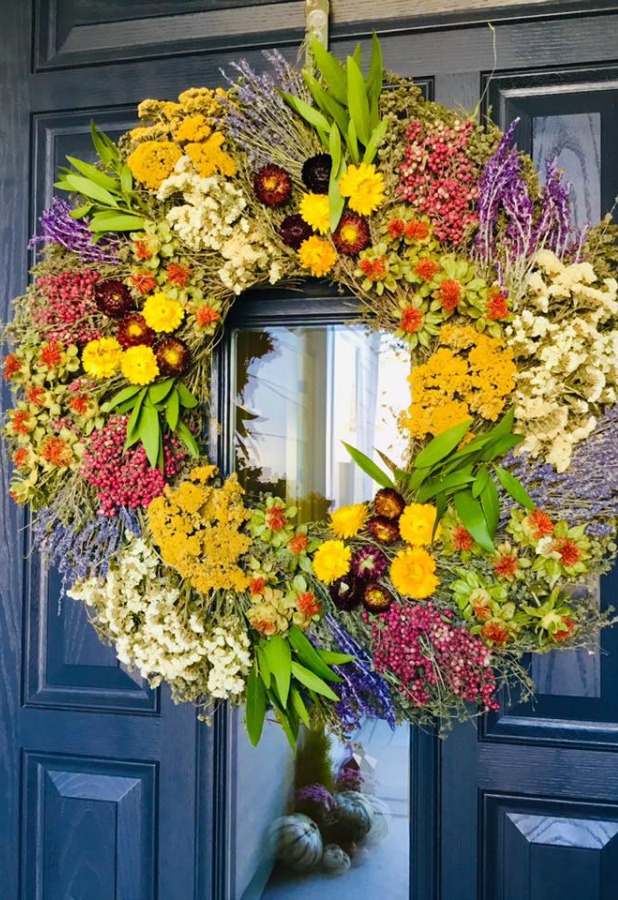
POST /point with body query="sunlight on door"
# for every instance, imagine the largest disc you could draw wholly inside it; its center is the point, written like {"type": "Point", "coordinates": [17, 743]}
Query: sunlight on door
{"type": "Point", "coordinates": [299, 392]}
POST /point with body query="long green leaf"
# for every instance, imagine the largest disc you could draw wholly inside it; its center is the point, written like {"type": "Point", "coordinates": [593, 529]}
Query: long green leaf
{"type": "Point", "coordinates": [88, 188]}
{"type": "Point", "coordinates": [332, 658]}
{"type": "Point", "coordinates": [172, 411]}
{"type": "Point", "coordinates": [310, 680]}
{"type": "Point", "coordinates": [440, 447]}
{"type": "Point", "coordinates": [441, 506]}
{"type": "Point", "coordinates": [125, 394]}
{"type": "Point", "coordinates": [514, 487]}
{"type": "Point", "coordinates": [332, 71]}
{"type": "Point", "coordinates": [334, 146]}
{"type": "Point", "coordinates": [188, 440]}
{"type": "Point", "coordinates": [369, 467]}
{"type": "Point", "coordinates": [309, 113]}
{"type": "Point", "coordinates": [490, 501]}
{"type": "Point", "coordinates": [298, 705]}
{"type": "Point", "coordinates": [376, 70]}
{"type": "Point", "coordinates": [133, 425]}
{"type": "Point", "coordinates": [93, 174]}
{"type": "Point", "coordinates": [279, 656]}
{"type": "Point", "coordinates": [326, 103]}
{"type": "Point", "coordinates": [377, 136]}
{"type": "Point", "coordinates": [117, 222]}
{"type": "Point", "coordinates": [126, 181]}
{"type": "Point", "coordinates": [263, 666]}
{"type": "Point", "coordinates": [255, 709]}
{"type": "Point", "coordinates": [150, 433]}
{"type": "Point", "coordinates": [159, 391]}
{"type": "Point", "coordinates": [482, 477]}
{"type": "Point", "coordinates": [186, 397]}
{"type": "Point", "coordinates": [472, 517]}
{"type": "Point", "coordinates": [336, 203]}
{"type": "Point", "coordinates": [351, 140]}
{"type": "Point", "coordinates": [309, 656]}
{"type": "Point", "coordinates": [499, 448]}
{"type": "Point", "coordinates": [357, 101]}
{"type": "Point", "coordinates": [434, 486]}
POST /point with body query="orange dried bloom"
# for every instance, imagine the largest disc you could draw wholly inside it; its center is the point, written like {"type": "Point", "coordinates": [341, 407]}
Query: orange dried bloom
{"type": "Point", "coordinates": [496, 632]}
{"type": "Point", "coordinates": [257, 585]}
{"type": "Point", "coordinates": [417, 231]}
{"type": "Point", "coordinates": [449, 295]}
{"type": "Point", "coordinates": [206, 316]}
{"type": "Point", "coordinates": [51, 354]}
{"type": "Point", "coordinates": [143, 281]}
{"type": "Point", "coordinates": [497, 307]}
{"type": "Point", "coordinates": [570, 554]}
{"type": "Point", "coordinates": [57, 452]}
{"type": "Point", "coordinates": [276, 518]}
{"type": "Point", "coordinates": [11, 366]}
{"type": "Point", "coordinates": [299, 543]}
{"type": "Point", "coordinates": [308, 604]}
{"type": "Point", "coordinates": [34, 395]}
{"type": "Point", "coordinates": [411, 319]}
{"type": "Point", "coordinates": [462, 539]}
{"type": "Point", "coordinates": [178, 275]}
{"type": "Point", "coordinates": [540, 524]}
{"type": "Point", "coordinates": [374, 269]}
{"type": "Point", "coordinates": [426, 269]}
{"type": "Point", "coordinates": [506, 565]}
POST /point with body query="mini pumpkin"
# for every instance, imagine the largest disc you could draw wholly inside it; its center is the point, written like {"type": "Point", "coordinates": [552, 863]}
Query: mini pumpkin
{"type": "Point", "coordinates": [296, 842]}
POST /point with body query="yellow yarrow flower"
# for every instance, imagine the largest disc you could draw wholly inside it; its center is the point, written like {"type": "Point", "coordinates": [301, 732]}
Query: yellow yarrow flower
{"type": "Point", "coordinates": [153, 161]}
{"type": "Point", "coordinates": [315, 211]}
{"type": "Point", "coordinates": [364, 186]}
{"type": "Point", "coordinates": [347, 521]}
{"type": "Point", "coordinates": [139, 365]}
{"type": "Point", "coordinates": [416, 524]}
{"type": "Point", "coordinates": [331, 561]}
{"type": "Point", "coordinates": [412, 573]}
{"type": "Point", "coordinates": [193, 128]}
{"type": "Point", "coordinates": [209, 158]}
{"type": "Point", "coordinates": [162, 313]}
{"type": "Point", "coordinates": [101, 358]}
{"type": "Point", "coordinates": [317, 255]}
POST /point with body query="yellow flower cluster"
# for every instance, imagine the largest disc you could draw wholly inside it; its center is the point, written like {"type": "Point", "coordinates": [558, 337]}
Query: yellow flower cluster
{"type": "Point", "coordinates": [197, 527]}
{"type": "Point", "coordinates": [473, 374]}
{"type": "Point", "coordinates": [317, 255]}
{"type": "Point", "coordinates": [413, 573]}
{"type": "Point", "coordinates": [153, 161]}
{"type": "Point", "coordinates": [347, 521]}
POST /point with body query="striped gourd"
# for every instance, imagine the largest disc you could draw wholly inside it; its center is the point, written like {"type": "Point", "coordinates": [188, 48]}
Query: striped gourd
{"type": "Point", "coordinates": [296, 842]}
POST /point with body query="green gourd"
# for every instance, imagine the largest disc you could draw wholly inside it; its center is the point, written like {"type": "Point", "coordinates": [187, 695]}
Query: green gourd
{"type": "Point", "coordinates": [296, 842]}
{"type": "Point", "coordinates": [354, 816]}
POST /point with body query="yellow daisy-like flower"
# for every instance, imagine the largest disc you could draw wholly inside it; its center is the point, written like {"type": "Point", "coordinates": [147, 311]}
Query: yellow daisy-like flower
{"type": "Point", "coordinates": [315, 212]}
{"type": "Point", "coordinates": [139, 365]}
{"type": "Point", "coordinates": [364, 186]}
{"type": "Point", "coordinates": [416, 524]}
{"type": "Point", "coordinates": [101, 358]}
{"type": "Point", "coordinates": [413, 573]}
{"type": "Point", "coordinates": [347, 521]}
{"type": "Point", "coordinates": [153, 161]}
{"type": "Point", "coordinates": [317, 255]}
{"type": "Point", "coordinates": [162, 313]}
{"type": "Point", "coordinates": [331, 561]}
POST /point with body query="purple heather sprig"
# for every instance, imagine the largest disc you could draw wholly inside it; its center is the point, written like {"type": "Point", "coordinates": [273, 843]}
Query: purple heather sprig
{"type": "Point", "coordinates": [59, 227]}
{"type": "Point", "coordinates": [555, 229]}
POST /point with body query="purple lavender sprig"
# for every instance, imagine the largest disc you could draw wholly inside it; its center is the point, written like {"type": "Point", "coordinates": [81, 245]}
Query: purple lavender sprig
{"type": "Point", "coordinates": [59, 227]}
{"type": "Point", "coordinates": [555, 229]}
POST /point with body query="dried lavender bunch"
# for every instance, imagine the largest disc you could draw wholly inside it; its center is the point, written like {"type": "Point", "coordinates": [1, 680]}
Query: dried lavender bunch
{"type": "Point", "coordinates": [59, 227]}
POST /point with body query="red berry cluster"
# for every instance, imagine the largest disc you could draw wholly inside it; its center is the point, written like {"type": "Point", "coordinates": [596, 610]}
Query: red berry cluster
{"type": "Point", "coordinates": [125, 479]}
{"type": "Point", "coordinates": [67, 306]}
{"type": "Point", "coordinates": [429, 653]}
{"type": "Point", "coordinates": [438, 179]}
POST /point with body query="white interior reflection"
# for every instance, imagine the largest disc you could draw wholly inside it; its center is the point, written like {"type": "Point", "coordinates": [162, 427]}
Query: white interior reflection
{"type": "Point", "coordinates": [299, 393]}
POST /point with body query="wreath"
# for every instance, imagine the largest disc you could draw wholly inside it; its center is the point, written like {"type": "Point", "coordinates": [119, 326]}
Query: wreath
{"type": "Point", "coordinates": [481, 546]}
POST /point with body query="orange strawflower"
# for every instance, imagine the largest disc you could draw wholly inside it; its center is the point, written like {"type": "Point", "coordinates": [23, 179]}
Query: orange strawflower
{"type": "Point", "coordinates": [178, 275]}
{"type": "Point", "coordinates": [299, 543]}
{"type": "Point", "coordinates": [57, 452]}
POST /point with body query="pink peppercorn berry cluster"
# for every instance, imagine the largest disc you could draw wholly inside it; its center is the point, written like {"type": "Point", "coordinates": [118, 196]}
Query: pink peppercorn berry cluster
{"type": "Point", "coordinates": [438, 179]}
{"type": "Point", "coordinates": [66, 306]}
{"type": "Point", "coordinates": [126, 479]}
{"type": "Point", "coordinates": [429, 654]}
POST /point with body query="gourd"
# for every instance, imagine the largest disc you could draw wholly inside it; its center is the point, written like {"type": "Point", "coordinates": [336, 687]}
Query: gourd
{"type": "Point", "coordinates": [335, 860]}
{"type": "Point", "coordinates": [354, 816]}
{"type": "Point", "coordinates": [296, 842]}
{"type": "Point", "coordinates": [381, 821]}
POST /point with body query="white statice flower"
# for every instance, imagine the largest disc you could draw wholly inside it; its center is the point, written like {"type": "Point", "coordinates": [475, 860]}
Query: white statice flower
{"type": "Point", "coordinates": [565, 345]}
{"type": "Point", "coordinates": [148, 620]}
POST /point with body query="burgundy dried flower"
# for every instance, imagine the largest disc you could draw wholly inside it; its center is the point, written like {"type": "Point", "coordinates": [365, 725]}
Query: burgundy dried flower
{"type": "Point", "coordinates": [294, 230]}
{"type": "Point", "coordinates": [113, 298]}
{"type": "Point", "coordinates": [316, 173]}
{"type": "Point", "coordinates": [346, 593]}
{"type": "Point", "coordinates": [389, 503]}
{"type": "Point", "coordinates": [133, 330]}
{"type": "Point", "coordinates": [368, 563]}
{"type": "Point", "coordinates": [352, 234]}
{"type": "Point", "coordinates": [272, 186]}
{"type": "Point", "coordinates": [383, 530]}
{"type": "Point", "coordinates": [377, 598]}
{"type": "Point", "coordinates": [173, 356]}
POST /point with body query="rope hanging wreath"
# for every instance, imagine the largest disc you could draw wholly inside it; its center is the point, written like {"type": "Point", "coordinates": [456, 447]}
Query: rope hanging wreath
{"type": "Point", "coordinates": [419, 603]}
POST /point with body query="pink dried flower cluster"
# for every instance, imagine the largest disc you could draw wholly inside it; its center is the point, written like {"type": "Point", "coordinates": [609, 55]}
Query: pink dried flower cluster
{"type": "Point", "coordinates": [126, 479]}
{"type": "Point", "coordinates": [429, 654]}
{"type": "Point", "coordinates": [438, 179]}
{"type": "Point", "coordinates": [66, 306]}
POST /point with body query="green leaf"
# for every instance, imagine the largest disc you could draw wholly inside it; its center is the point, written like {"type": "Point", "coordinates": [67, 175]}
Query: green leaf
{"type": "Point", "coordinates": [502, 446]}
{"type": "Point", "coordinates": [332, 71]}
{"type": "Point", "coordinates": [336, 203]}
{"type": "Point", "coordinates": [159, 391]}
{"type": "Point", "coordinates": [335, 659]}
{"type": "Point", "coordinates": [443, 444]}
{"type": "Point", "coordinates": [255, 709]}
{"type": "Point", "coordinates": [433, 486]}
{"type": "Point", "coordinates": [104, 146]}
{"type": "Point", "coordinates": [279, 657]}
{"type": "Point", "coordinates": [357, 56]}
{"type": "Point", "coordinates": [150, 433]}
{"type": "Point", "coordinates": [298, 705]}
{"type": "Point", "coordinates": [325, 102]}
{"type": "Point", "coordinates": [117, 222]}
{"type": "Point", "coordinates": [377, 136]}
{"type": "Point", "coordinates": [172, 410]}
{"type": "Point", "coordinates": [263, 666]}
{"type": "Point", "coordinates": [472, 517]}
{"type": "Point", "coordinates": [417, 478]}
{"type": "Point", "coordinates": [88, 188]}
{"type": "Point", "coordinates": [480, 481]}
{"type": "Point", "coordinates": [376, 70]}
{"type": "Point", "coordinates": [310, 680]}
{"type": "Point", "coordinates": [126, 180]}
{"type": "Point", "coordinates": [334, 147]}
{"type": "Point", "coordinates": [369, 467]}
{"type": "Point", "coordinates": [186, 397]}
{"type": "Point", "coordinates": [80, 211]}
{"type": "Point", "coordinates": [515, 488]}
{"type": "Point", "coordinates": [309, 656]}
{"type": "Point", "coordinates": [133, 425]}
{"type": "Point", "coordinates": [309, 113]}
{"type": "Point", "coordinates": [188, 440]}
{"type": "Point", "coordinates": [93, 174]}
{"type": "Point", "coordinates": [125, 394]}
{"type": "Point", "coordinates": [357, 101]}
{"type": "Point", "coordinates": [490, 501]}
{"type": "Point", "coordinates": [351, 140]}
{"type": "Point", "coordinates": [441, 505]}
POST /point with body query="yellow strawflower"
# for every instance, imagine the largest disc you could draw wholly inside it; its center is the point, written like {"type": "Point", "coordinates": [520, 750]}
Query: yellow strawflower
{"type": "Point", "coordinates": [101, 358]}
{"type": "Point", "coordinates": [317, 255]}
{"type": "Point", "coordinates": [347, 521]}
{"type": "Point", "coordinates": [416, 524]}
{"type": "Point", "coordinates": [153, 161]}
{"type": "Point", "coordinates": [331, 561]}
{"type": "Point", "coordinates": [139, 365]}
{"type": "Point", "coordinates": [364, 186]}
{"type": "Point", "coordinates": [162, 313]}
{"type": "Point", "coordinates": [315, 212]}
{"type": "Point", "coordinates": [412, 573]}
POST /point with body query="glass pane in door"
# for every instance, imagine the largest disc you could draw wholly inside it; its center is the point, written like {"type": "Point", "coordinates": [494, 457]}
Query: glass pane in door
{"type": "Point", "coordinates": [298, 393]}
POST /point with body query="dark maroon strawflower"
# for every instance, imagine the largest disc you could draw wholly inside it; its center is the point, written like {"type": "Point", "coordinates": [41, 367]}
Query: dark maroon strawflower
{"type": "Point", "coordinates": [294, 230]}
{"type": "Point", "coordinates": [316, 173]}
{"type": "Point", "coordinates": [369, 563]}
{"type": "Point", "coordinates": [133, 330]}
{"type": "Point", "coordinates": [346, 593]}
{"type": "Point", "coordinates": [352, 234]}
{"type": "Point", "coordinates": [173, 356]}
{"type": "Point", "coordinates": [377, 598]}
{"type": "Point", "coordinates": [272, 186]}
{"type": "Point", "coordinates": [383, 530]}
{"type": "Point", "coordinates": [388, 503]}
{"type": "Point", "coordinates": [113, 298]}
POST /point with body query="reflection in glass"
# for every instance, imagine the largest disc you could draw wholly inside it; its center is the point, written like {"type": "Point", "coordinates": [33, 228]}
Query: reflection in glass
{"type": "Point", "coordinates": [298, 394]}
